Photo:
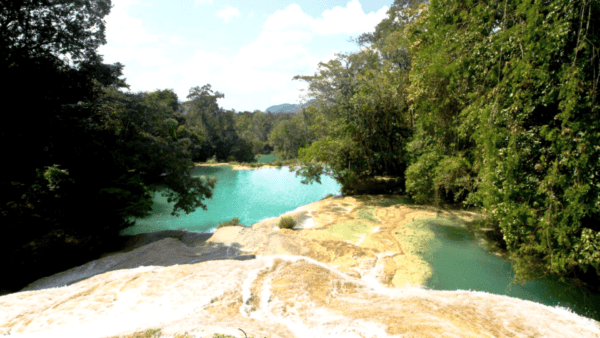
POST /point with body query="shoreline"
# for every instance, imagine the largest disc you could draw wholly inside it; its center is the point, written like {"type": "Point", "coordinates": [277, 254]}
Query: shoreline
{"type": "Point", "coordinates": [234, 166]}
{"type": "Point", "coordinates": [367, 248]}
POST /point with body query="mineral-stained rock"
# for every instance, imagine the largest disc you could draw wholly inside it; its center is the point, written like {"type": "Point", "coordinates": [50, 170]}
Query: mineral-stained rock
{"type": "Point", "coordinates": [316, 281]}
{"type": "Point", "coordinates": [272, 296]}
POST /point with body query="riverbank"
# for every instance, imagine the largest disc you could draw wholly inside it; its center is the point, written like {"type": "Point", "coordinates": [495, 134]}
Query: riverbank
{"type": "Point", "coordinates": [235, 166]}
{"type": "Point", "coordinates": [337, 230]}
{"type": "Point", "coordinates": [320, 279]}
{"type": "Point", "coordinates": [250, 166]}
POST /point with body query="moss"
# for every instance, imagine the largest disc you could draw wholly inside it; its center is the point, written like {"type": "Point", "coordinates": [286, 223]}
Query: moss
{"type": "Point", "coordinates": [350, 230]}
{"type": "Point", "coordinates": [366, 213]}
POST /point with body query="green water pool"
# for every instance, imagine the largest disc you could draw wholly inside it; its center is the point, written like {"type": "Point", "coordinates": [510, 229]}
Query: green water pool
{"type": "Point", "coordinates": [266, 158]}
{"type": "Point", "coordinates": [460, 261]}
{"type": "Point", "coordinates": [251, 195]}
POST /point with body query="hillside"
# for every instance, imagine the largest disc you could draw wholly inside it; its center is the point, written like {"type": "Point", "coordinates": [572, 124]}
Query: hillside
{"type": "Point", "coordinates": [283, 108]}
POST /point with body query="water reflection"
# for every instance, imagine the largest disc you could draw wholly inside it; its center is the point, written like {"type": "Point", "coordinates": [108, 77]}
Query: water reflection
{"type": "Point", "coordinates": [251, 195]}
{"type": "Point", "coordinates": [459, 262]}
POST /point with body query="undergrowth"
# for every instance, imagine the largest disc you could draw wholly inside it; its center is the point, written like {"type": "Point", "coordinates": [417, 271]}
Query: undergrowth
{"type": "Point", "coordinates": [232, 223]}
{"type": "Point", "coordinates": [287, 222]}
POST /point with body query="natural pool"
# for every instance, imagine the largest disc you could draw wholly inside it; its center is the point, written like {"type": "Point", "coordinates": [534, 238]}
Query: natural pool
{"type": "Point", "coordinates": [251, 195]}
{"type": "Point", "coordinates": [457, 256]}
{"type": "Point", "coordinates": [460, 261]}
{"type": "Point", "coordinates": [266, 158]}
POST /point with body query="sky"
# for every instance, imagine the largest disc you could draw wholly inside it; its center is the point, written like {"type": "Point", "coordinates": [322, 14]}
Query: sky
{"type": "Point", "coordinates": [247, 50]}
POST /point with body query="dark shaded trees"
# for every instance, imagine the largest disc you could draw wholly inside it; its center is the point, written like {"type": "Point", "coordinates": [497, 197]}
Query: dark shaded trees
{"type": "Point", "coordinates": [216, 127]}
{"type": "Point", "coordinates": [81, 158]}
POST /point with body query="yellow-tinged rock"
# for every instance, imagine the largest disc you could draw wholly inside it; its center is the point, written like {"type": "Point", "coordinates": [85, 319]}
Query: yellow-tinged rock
{"type": "Point", "coordinates": [338, 274]}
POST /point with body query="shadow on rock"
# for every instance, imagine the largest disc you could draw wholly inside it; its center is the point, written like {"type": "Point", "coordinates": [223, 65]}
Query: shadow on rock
{"type": "Point", "coordinates": [162, 248]}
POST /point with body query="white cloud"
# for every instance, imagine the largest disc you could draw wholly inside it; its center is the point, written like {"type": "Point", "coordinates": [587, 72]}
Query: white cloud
{"type": "Point", "coordinates": [227, 13]}
{"type": "Point", "coordinates": [123, 29]}
{"type": "Point", "coordinates": [254, 76]}
{"type": "Point", "coordinates": [250, 15]}
{"type": "Point", "coordinates": [280, 52]}
{"type": "Point", "coordinates": [349, 20]}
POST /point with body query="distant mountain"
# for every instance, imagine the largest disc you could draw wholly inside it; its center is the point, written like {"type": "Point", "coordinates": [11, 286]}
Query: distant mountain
{"type": "Point", "coordinates": [283, 108]}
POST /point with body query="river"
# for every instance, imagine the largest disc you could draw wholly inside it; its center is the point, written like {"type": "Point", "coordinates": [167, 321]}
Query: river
{"type": "Point", "coordinates": [251, 195]}
{"type": "Point", "coordinates": [457, 256]}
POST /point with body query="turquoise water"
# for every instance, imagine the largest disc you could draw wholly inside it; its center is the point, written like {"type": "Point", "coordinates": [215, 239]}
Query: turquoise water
{"type": "Point", "coordinates": [460, 262]}
{"type": "Point", "coordinates": [266, 158]}
{"type": "Point", "coordinates": [458, 259]}
{"type": "Point", "coordinates": [251, 195]}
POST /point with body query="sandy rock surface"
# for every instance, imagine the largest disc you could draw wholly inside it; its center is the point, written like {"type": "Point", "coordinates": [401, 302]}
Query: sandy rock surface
{"type": "Point", "coordinates": [349, 269]}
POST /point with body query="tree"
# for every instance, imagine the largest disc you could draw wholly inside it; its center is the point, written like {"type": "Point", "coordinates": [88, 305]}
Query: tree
{"type": "Point", "coordinates": [360, 108]}
{"type": "Point", "coordinates": [82, 163]}
{"type": "Point", "coordinates": [443, 154]}
{"type": "Point", "coordinates": [217, 127]}
{"type": "Point", "coordinates": [45, 28]}
{"type": "Point", "coordinates": [516, 84]}
{"type": "Point", "coordinates": [288, 136]}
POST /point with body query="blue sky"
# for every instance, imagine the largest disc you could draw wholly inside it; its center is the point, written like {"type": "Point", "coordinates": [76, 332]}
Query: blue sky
{"type": "Point", "coordinates": [248, 50]}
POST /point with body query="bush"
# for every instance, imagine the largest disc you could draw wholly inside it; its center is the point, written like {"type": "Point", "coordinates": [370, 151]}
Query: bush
{"type": "Point", "coordinates": [287, 222]}
{"type": "Point", "coordinates": [232, 223]}
{"type": "Point", "coordinates": [355, 185]}
{"type": "Point", "coordinates": [212, 160]}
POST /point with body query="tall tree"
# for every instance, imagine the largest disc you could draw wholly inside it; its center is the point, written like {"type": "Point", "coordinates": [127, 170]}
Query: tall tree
{"type": "Point", "coordinates": [81, 164]}
{"type": "Point", "coordinates": [516, 83]}
{"type": "Point", "coordinates": [216, 126]}
{"type": "Point", "coordinates": [360, 113]}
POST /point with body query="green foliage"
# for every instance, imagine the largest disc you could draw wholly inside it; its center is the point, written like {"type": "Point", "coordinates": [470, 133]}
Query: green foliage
{"type": "Point", "coordinates": [233, 222]}
{"type": "Point", "coordinates": [419, 178]}
{"type": "Point", "coordinates": [433, 177]}
{"type": "Point", "coordinates": [504, 95]}
{"type": "Point", "coordinates": [287, 222]}
{"type": "Point", "coordinates": [359, 115]}
{"type": "Point", "coordinates": [288, 136]}
{"type": "Point", "coordinates": [86, 156]}
{"type": "Point", "coordinates": [212, 160]}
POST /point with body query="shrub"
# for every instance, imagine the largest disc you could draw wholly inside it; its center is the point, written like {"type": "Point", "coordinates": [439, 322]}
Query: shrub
{"type": "Point", "coordinates": [232, 223]}
{"type": "Point", "coordinates": [212, 160]}
{"type": "Point", "coordinates": [287, 222]}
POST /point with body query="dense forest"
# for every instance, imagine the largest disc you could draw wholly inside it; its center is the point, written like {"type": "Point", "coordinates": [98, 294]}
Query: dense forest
{"type": "Point", "coordinates": [489, 105]}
